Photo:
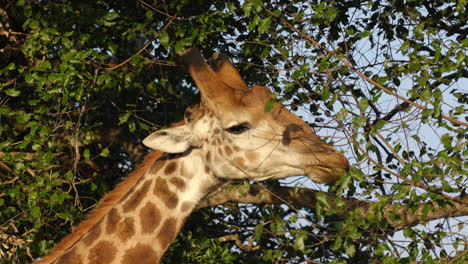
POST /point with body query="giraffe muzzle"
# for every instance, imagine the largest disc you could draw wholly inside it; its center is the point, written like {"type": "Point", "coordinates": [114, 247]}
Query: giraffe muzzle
{"type": "Point", "coordinates": [330, 168]}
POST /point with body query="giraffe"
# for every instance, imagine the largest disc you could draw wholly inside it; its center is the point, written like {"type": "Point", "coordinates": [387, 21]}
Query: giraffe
{"type": "Point", "coordinates": [227, 136]}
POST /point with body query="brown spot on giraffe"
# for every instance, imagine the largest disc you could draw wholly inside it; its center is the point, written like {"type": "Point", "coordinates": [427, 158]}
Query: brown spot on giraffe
{"type": "Point", "coordinates": [220, 152]}
{"type": "Point", "coordinates": [136, 198]}
{"type": "Point", "coordinates": [170, 168]}
{"type": "Point", "coordinates": [140, 254]}
{"type": "Point", "coordinates": [239, 161]}
{"type": "Point", "coordinates": [156, 167]}
{"type": "Point", "coordinates": [178, 182]}
{"type": "Point", "coordinates": [167, 232]}
{"type": "Point", "coordinates": [208, 156]}
{"type": "Point", "coordinates": [161, 190]}
{"type": "Point", "coordinates": [92, 235]}
{"type": "Point", "coordinates": [212, 142]}
{"type": "Point", "coordinates": [103, 252]}
{"type": "Point", "coordinates": [252, 156]}
{"type": "Point", "coordinates": [113, 219]}
{"type": "Point", "coordinates": [126, 229]}
{"type": "Point", "coordinates": [70, 258]}
{"type": "Point", "coordinates": [227, 150]}
{"type": "Point", "coordinates": [150, 217]}
{"type": "Point", "coordinates": [186, 206]}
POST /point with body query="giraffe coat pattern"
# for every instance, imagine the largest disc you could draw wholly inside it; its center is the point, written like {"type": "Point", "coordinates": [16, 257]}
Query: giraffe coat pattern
{"type": "Point", "coordinates": [227, 136]}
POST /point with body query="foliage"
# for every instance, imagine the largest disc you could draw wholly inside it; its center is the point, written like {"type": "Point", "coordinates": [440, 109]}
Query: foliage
{"type": "Point", "coordinates": [82, 82]}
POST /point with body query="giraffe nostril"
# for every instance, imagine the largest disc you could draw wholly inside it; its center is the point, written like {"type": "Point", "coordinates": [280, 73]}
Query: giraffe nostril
{"type": "Point", "coordinates": [291, 128]}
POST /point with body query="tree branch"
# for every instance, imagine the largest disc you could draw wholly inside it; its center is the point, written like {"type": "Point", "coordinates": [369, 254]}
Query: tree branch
{"type": "Point", "coordinates": [107, 136]}
{"type": "Point", "coordinates": [239, 244]}
{"type": "Point", "coordinates": [303, 197]}
{"type": "Point", "coordinates": [135, 150]}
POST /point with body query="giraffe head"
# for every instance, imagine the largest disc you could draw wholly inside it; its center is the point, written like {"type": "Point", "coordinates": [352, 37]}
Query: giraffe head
{"type": "Point", "coordinates": [237, 138]}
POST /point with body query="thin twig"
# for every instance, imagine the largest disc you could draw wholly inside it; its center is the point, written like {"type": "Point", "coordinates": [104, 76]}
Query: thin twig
{"type": "Point", "coordinates": [239, 244]}
{"type": "Point", "coordinates": [365, 77]}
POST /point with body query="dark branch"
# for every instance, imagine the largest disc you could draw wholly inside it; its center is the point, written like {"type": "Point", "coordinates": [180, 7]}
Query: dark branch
{"type": "Point", "coordinates": [303, 197]}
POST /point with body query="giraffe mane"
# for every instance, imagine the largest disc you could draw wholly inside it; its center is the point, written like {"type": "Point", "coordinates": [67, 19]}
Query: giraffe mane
{"type": "Point", "coordinates": [106, 203]}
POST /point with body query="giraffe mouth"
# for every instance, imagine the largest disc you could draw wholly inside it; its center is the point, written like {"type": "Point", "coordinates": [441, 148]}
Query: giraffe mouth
{"type": "Point", "coordinates": [322, 174]}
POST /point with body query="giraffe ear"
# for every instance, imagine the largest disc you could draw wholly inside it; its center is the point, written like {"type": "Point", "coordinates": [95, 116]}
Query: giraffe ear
{"type": "Point", "coordinates": [171, 140]}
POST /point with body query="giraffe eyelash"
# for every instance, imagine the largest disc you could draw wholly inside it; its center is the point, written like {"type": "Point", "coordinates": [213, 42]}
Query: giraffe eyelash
{"type": "Point", "coordinates": [238, 129]}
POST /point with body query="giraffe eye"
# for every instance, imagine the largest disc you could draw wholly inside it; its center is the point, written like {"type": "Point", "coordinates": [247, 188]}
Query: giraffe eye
{"type": "Point", "coordinates": [238, 129]}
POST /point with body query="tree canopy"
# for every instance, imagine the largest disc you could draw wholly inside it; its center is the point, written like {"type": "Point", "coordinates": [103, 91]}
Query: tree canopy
{"type": "Point", "coordinates": [83, 82]}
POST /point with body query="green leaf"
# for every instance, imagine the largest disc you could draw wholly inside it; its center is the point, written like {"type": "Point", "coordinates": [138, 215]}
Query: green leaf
{"type": "Point", "coordinates": [9, 67]}
{"type": "Point", "coordinates": [322, 198]}
{"type": "Point", "coordinates": [23, 118]}
{"type": "Point", "coordinates": [408, 232]}
{"type": "Point", "coordinates": [179, 47]}
{"type": "Point", "coordinates": [426, 209]}
{"type": "Point", "coordinates": [104, 152]}
{"type": "Point", "coordinates": [379, 125]}
{"type": "Point", "coordinates": [35, 211]}
{"type": "Point", "coordinates": [45, 65]}
{"type": "Point", "coordinates": [86, 154]}
{"type": "Point", "coordinates": [425, 95]}
{"type": "Point", "coordinates": [380, 249]}
{"type": "Point", "coordinates": [264, 25]}
{"type": "Point", "coordinates": [258, 231]}
{"type": "Point", "coordinates": [103, 79]}
{"type": "Point", "coordinates": [247, 8]}
{"type": "Point", "coordinates": [325, 93]}
{"type": "Point", "coordinates": [337, 244]}
{"type": "Point", "coordinates": [363, 104]}
{"type": "Point", "coordinates": [404, 47]}
{"type": "Point", "coordinates": [265, 52]}
{"type": "Point", "coordinates": [257, 5]}
{"type": "Point", "coordinates": [164, 38]}
{"type": "Point", "coordinates": [149, 15]}
{"type": "Point", "coordinates": [55, 77]}
{"type": "Point", "coordinates": [12, 92]}
{"type": "Point", "coordinates": [299, 242]}
{"type": "Point", "coordinates": [350, 250]}
{"type": "Point", "coordinates": [111, 16]}
{"type": "Point", "coordinates": [359, 121]}
{"type": "Point", "coordinates": [269, 106]}
{"type": "Point", "coordinates": [341, 115]}
{"type": "Point", "coordinates": [330, 14]}
{"type": "Point", "coordinates": [132, 126]}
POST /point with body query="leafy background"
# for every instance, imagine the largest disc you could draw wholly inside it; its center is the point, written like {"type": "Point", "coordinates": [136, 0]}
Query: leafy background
{"type": "Point", "coordinates": [82, 82]}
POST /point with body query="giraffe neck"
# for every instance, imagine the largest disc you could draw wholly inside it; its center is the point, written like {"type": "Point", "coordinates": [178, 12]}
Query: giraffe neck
{"type": "Point", "coordinates": [141, 225]}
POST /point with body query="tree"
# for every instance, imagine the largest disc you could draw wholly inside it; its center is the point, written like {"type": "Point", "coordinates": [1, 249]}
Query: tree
{"type": "Point", "coordinates": [82, 82]}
